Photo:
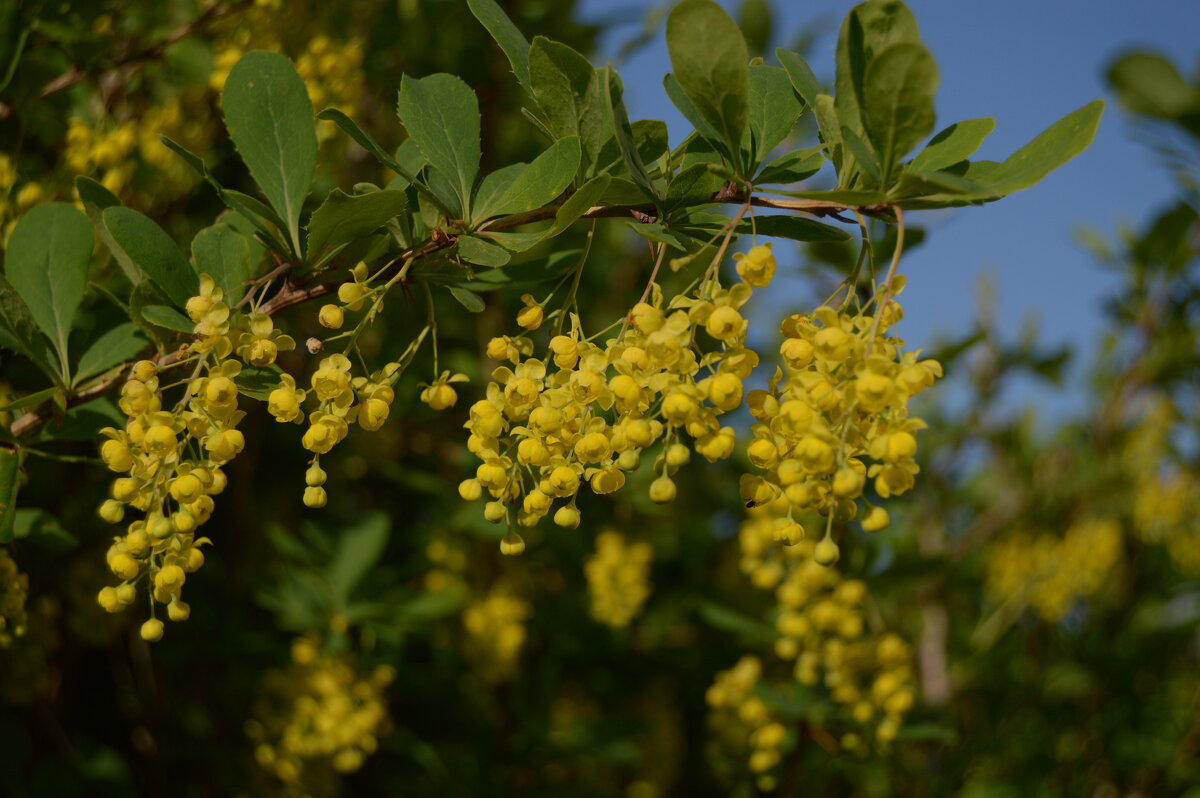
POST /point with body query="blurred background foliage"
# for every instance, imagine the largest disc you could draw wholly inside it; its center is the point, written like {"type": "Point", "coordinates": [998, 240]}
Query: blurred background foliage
{"type": "Point", "coordinates": [1035, 599]}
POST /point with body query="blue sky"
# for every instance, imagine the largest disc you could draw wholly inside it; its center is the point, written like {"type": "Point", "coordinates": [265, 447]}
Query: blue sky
{"type": "Point", "coordinates": [1026, 64]}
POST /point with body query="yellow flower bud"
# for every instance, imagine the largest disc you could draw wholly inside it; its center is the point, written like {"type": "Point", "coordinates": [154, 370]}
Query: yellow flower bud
{"type": "Point", "coordinates": [315, 497]}
{"type": "Point", "coordinates": [152, 630]}
{"type": "Point", "coordinates": [331, 317]}
{"type": "Point", "coordinates": [826, 552]}
{"type": "Point", "coordinates": [662, 490]}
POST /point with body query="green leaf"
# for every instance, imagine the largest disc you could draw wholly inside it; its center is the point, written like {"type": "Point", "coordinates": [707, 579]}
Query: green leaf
{"type": "Point", "coordinates": [869, 29]}
{"type": "Point", "coordinates": [47, 265]}
{"type": "Point", "coordinates": [31, 400]}
{"type": "Point", "coordinates": [493, 186]}
{"type": "Point", "coordinates": [257, 382]}
{"type": "Point", "coordinates": [579, 203]}
{"type": "Point", "coordinates": [795, 228]}
{"type": "Point", "coordinates": [441, 113]}
{"type": "Point", "coordinates": [119, 344]}
{"type": "Point", "coordinates": [691, 113]}
{"type": "Point", "coordinates": [516, 242]}
{"type": "Point", "coordinates": [10, 478]}
{"type": "Point", "coordinates": [956, 143]}
{"type": "Point", "coordinates": [167, 317]}
{"type": "Point", "coordinates": [772, 110]}
{"type": "Point", "coordinates": [659, 234]}
{"type": "Point", "coordinates": [563, 83]}
{"type": "Point", "coordinates": [757, 23]}
{"type": "Point", "coordinates": [848, 197]}
{"type": "Point", "coordinates": [223, 254]}
{"type": "Point", "coordinates": [897, 102]}
{"type": "Point", "coordinates": [483, 253]}
{"type": "Point", "coordinates": [830, 128]}
{"type": "Point", "coordinates": [467, 298]}
{"type": "Point", "coordinates": [38, 526]}
{"type": "Point", "coordinates": [526, 274]}
{"type": "Point", "coordinates": [914, 182]}
{"type": "Point", "coordinates": [360, 136]}
{"type": "Point", "coordinates": [792, 167]}
{"type": "Point", "coordinates": [865, 156]}
{"type": "Point", "coordinates": [248, 208]}
{"type": "Point", "coordinates": [270, 120]}
{"type": "Point", "coordinates": [359, 549]}
{"type": "Point", "coordinates": [729, 620]}
{"type": "Point", "coordinates": [711, 63]}
{"type": "Point", "coordinates": [492, 16]}
{"type": "Point", "coordinates": [1053, 147]}
{"type": "Point", "coordinates": [84, 422]}
{"type": "Point", "coordinates": [550, 174]}
{"type": "Point", "coordinates": [343, 218]}
{"type": "Point", "coordinates": [801, 75]}
{"type": "Point", "coordinates": [154, 252]}
{"type": "Point", "coordinates": [694, 185]}
{"type": "Point", "coordinates": [624, 133]}
{"type": "Point", "coordinates": [1149, 84]}
{"type": "Point", "coordinates": [19, 332]}
{"type": "Point", "coordinates": [96, 198]}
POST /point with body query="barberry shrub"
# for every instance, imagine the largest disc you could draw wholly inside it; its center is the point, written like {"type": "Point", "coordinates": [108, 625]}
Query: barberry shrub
{"type": "Point", "coordinates": [341, 287]}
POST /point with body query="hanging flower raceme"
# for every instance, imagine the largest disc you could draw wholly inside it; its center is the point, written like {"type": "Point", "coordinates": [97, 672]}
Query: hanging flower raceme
{"type": "Point", "coordinates": [584, 413]}
{"type": "Point", "coordinates": [824, 630]}
{"type": "Point", "coordinates": [618, 578]}
{"type": "Point", "coordinates": [322, 713]}
{"type": "Point", "coordinates": [834, 421]}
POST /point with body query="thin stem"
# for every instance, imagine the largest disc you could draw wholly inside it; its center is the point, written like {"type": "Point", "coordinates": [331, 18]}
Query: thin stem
{"type": "Point", "coordinates": [432, 327]}
{"type": "Point", "coordinates": [662, 251]}
{"type": "Point", "coordinates": [574, 289]}
{"type": "Point", "coordinates": [881, 306]}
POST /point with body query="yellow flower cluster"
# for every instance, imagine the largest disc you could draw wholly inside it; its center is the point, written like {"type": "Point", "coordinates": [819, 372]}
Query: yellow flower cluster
{"type": "Point", "coordinates": [108, 151]}
{"type": "Point", "coordinates": [495, 626]}
{"type": "Point", "coordinates": [1164, 512]}
{"type": "Point", "coordinates": [15, 201]}
{"type": "Point", "coordinates": [14, 588]}
{"type": "Point", "coordinates": [844, 400]}
{"type": "Point", "coordinates": [320, 713]}
{"type": "Point", "coordinates": [332, 71]}
{"type": "Point", "coordinates": [172, 459]}
{"type": "Point", "coordinates": [823, 628]}
{"type": "Point", "coordinates": [449, 563]}
{"type": "Point", "coordinates": [1166, 493]}
{"type": "Point", "coordinates": [618, 578]}
{"type": "Point", "coordinates": [585, 413]}
{"type": "Point", "coordinates": [1048, 572]}
{"type": "Point", "coordinates": [743, 725]}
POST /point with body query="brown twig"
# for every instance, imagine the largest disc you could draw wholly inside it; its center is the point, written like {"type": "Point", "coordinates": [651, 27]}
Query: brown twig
{"type": "Point", "coordinates": [290, 295]}
{"type": "Point", "coordinates": [154, 52]}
